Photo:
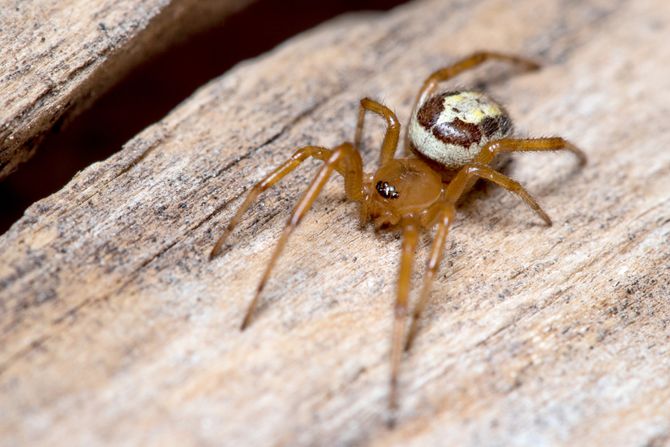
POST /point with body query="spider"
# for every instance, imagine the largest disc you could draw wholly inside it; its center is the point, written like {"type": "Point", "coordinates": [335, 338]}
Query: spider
{"type": "Point", "coordinates": [451, 141]}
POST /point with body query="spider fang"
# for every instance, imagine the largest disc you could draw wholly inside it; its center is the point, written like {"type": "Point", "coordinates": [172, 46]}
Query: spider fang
{"type": "Point", "coordinates": [387, 191]}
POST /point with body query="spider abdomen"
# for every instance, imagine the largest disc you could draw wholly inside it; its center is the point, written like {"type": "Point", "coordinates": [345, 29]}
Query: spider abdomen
{"type": "Point", "coordinates": [450, 128]}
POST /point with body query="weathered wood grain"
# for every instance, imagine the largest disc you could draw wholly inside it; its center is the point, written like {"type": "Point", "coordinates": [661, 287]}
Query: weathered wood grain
{"type": "Point", "coordinates": [57, 57]}
{"type": "Point", "coordinates": [115, 329]}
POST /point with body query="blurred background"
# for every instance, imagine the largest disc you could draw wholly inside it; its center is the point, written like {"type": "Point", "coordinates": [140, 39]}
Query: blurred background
{"type": "Point", "coordinates": [156, 87]}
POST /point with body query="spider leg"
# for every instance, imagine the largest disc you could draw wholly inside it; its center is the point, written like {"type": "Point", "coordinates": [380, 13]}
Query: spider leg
{"type": "Point", "coordinates": [444, 220]}
{"type": "Point", "coordinates": [465, 64]}
{"type": "Point", "coordinates": [457, 187]}
{"type": "Point", "coordinates": [409, 241]}
{"type": "Point", "coordinates": [275, 176]}
{"type": "Point", "coordinates": [460, 66]}
{"type": "Point", "coordinates": [392, 135]}
{"type": "Point", "coordinates": [492, 148]}
{"type": "Point", "coordinates": [346, 160]}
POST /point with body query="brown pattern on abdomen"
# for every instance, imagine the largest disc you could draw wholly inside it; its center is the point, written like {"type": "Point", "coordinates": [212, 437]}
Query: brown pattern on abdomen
{"type": "Point", "coordinates": [430, 111]}
{"type": "Point", "coordinates": [458, 132]}
{"type": "Point", "coordinates": [500, 123]}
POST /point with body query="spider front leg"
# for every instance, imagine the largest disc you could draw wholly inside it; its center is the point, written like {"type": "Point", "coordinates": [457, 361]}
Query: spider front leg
{"type": "Point", "coordinates": [392, 134]}
{"type": "Point", "coordinates": [457, 187]}
{"type": "Point", "coordinates": [346, 160]}
{"type": "Point", "coordinates": [444, 220]}
{"type": "Point", "coordinates": [409, 241]}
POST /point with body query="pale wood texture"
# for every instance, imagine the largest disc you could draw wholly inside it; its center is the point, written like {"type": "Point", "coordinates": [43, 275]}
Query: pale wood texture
{"type": "Point", "coordinates": [57, 57]}
{"type": "Point", "coordinates": [115, 328]}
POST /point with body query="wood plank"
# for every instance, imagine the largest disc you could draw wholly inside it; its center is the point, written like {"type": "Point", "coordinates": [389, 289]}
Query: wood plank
{"type": "Point", "coordinates": [116, 329]}
{"type": "Point", "coordinates": [56, 58]}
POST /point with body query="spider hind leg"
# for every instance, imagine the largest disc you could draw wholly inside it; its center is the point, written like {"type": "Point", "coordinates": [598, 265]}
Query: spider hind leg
{"type": "Point", "coordinates": [506, 145]}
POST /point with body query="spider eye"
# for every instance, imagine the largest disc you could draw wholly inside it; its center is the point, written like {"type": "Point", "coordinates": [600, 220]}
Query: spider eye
{"type": "Point", "coordinates": [387, 191]}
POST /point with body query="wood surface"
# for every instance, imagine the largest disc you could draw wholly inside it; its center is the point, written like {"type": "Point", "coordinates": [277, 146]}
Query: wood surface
{"type": "Point", "coordinates": [115, 329]}
{"type": "Point", "coordinates": [58, 57]}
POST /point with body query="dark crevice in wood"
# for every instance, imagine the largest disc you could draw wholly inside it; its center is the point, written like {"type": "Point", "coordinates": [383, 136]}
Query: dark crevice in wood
{"type": "Point", "coordinates": [152, 90]}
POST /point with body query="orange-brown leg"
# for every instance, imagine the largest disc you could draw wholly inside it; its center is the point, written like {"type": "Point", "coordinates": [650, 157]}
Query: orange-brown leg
{"type": "Point", "coordinates": [444, 221]}
{"type": "Point", "coordinates": [392, 128]}
{"type": "Point", "coordinates": [409, 240]}
{"type": "Point", "coordinates": [457, 187]}
{"type": "Point", "coordinates": [272, 178]}
{"type": "Point", "coordinates": [492, 148]}
{"type": "Point", "coordinates": [344, 159]}
{"type": "Point", "coordinates": [464, 64]}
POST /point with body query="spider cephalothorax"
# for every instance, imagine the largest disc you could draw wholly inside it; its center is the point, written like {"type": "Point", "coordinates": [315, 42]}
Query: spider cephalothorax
{"type": "Point", "coordinates": [404, 188]}
{"type": "Point", "coordinates": [452, 141]}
